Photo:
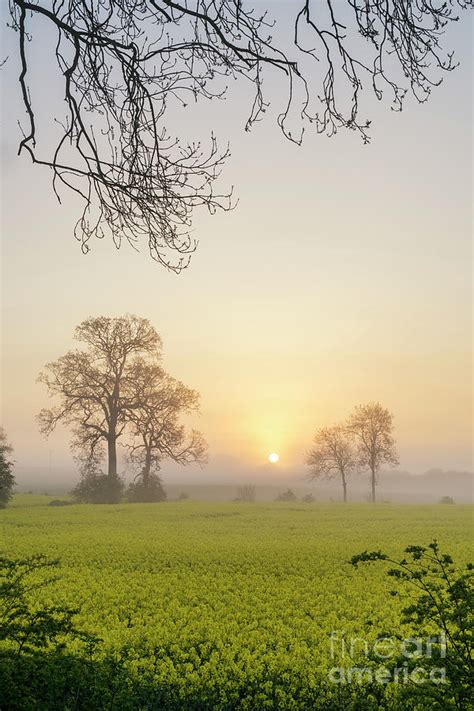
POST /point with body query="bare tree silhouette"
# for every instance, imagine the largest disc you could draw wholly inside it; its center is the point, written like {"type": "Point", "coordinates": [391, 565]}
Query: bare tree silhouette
{"type": "Point", "coordinates": [372, 427]}
{"type": "Point", "coordinates": [124, 63]}
{"type": "Point", "coordinates": [332, 456]}
{"type": "Point", "coordinates": [116, 390]}
{"type": "Point", "coordinates": [96, 388]}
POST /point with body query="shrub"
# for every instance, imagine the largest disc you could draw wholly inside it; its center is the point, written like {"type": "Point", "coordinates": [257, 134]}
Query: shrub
{"type": "Point", "coordinates": [150, 492]}
{"type": "Point", "coordinates": [247, 492]}
{"type": "Point", "coordinates": [98, 489]}
{"type": "Point", "coordinates": [288, 495]}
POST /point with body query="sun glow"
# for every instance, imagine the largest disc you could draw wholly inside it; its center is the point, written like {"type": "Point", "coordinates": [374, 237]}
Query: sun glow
{"type": "Point", "coordinates": [273, 458]}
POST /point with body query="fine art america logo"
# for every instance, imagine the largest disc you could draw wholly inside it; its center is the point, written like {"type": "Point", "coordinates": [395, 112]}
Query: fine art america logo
{"type": "Point", "coordinates": [409, 659]}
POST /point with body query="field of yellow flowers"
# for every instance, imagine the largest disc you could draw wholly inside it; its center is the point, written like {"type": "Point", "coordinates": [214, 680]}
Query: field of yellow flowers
{"type": "Point", "coordinates": [225, 605]}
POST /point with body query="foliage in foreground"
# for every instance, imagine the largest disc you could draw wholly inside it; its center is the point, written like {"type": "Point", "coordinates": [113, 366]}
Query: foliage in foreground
{"type": "Point", "coordinates": [443, 603]}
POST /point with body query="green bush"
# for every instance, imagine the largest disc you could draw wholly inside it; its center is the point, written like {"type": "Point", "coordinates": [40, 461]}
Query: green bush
{"type": "Point", "coordinates": [146, 492]}
{"type": "Point", "coordinates": [98, 489]}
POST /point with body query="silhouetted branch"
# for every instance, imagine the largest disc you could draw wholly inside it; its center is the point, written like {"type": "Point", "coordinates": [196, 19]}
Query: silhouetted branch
{"type": "Point", "coordinates": [124, 63]}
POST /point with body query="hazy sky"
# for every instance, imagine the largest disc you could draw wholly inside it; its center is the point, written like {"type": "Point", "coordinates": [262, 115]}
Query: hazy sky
{"type": "Point", "coordinates": [344, 275]}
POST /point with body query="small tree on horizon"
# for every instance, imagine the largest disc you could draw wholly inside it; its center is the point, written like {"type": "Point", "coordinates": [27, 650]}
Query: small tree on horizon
{"type": "Point", "coordinates": [7, 479]}
{"type": "Point", "coordinates": [372, 427]}
{"type": "Point", "coordinates": [332, 456]}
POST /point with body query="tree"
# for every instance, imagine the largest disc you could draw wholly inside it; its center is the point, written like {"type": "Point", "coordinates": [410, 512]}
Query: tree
{"type": "Point", "coordinates": [95, 387]}
{"type": "Point", "coordinates": [7, 480]}
{"type": "Point", "coordinates": [126, 64]}
{"type": "Point", "coordinates": [372, 427]}
{"type": "Point", "coordinates": [157, 433]}
{"type": "Point", "coordinates": [332, 456]}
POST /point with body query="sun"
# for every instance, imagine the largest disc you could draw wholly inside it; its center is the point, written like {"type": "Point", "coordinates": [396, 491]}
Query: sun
{"type": "Point", "coordinates": [273, 458]}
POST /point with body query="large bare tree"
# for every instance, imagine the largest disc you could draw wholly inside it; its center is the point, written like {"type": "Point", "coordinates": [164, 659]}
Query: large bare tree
{"type": "Point", "coordinates": [157, 432]}
{"type": "Point", "coordinates": [95, 387]}
{"type": "Point", "coordinates": [332, 456]}
{"type": "Point", "coordinates": [372, 427]}
{"type": "Point", "coordinates": [124, 64]}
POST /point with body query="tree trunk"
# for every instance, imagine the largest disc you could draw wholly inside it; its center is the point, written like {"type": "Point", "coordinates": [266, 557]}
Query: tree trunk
{"type": "Point", "coordinates": [112, 457]}
{"type": "Point", "coordinates": [344, 487]}
{"type": "Point", "coordinates": [146, 470]}
{"type": "Point", "coordinates": [112, 431]}
{"type": "Point", "coordinates": [373, 485]}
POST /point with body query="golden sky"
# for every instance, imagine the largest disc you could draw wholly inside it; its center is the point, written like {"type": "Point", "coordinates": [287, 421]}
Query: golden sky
{"type": "Point", "coordinates": [344, 275]}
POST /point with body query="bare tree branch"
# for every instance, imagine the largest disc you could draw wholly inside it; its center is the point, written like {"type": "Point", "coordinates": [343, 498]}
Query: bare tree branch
{"type": "Point", "coordinates": [126, 63]}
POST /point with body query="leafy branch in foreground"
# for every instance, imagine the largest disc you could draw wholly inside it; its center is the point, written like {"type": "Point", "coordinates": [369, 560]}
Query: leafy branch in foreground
{"type": "Point", "coordinates": [441, 600]}
{"type": "Point", "coordinates": [24, 626]}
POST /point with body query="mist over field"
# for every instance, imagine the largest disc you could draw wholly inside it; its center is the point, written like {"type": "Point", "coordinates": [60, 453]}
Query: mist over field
{"type": "Point", "coordinates": [221, 481]}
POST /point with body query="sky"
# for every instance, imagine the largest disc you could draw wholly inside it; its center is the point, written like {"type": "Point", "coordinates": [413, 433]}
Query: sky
{"type": "Point", "coordinates": [344, 275]}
